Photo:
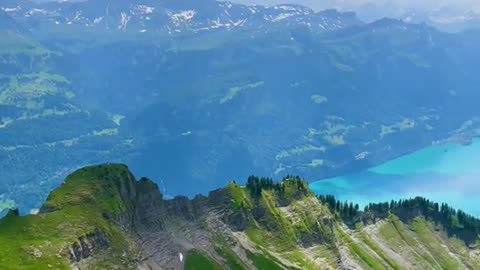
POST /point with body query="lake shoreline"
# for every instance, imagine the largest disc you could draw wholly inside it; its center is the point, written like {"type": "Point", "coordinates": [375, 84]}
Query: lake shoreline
{"type": "Point", "coordinates": [445, 172]}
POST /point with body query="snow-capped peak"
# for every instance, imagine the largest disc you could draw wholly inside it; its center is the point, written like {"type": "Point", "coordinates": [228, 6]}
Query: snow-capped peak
{"type": "Point", "coordinates": [171, 17]}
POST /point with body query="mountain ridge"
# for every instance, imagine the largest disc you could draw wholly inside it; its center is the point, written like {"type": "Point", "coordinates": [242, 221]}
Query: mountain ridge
{"type": "Point", "coordinates": [102, 217]}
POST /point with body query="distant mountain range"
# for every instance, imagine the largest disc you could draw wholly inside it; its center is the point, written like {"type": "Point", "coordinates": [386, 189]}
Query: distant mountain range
{"type": "Point", "coordinates": [170, 16]}
{"type": "Point", "coordinates": [177, 16]}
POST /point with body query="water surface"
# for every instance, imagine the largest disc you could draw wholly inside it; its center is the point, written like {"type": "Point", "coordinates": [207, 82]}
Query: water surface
{"type": "Point", "coordinates": [443, 173]}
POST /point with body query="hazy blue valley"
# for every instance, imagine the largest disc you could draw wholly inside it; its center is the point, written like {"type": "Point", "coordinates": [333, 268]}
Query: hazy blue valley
{"type": "Point", "coordinates": [194, 95]}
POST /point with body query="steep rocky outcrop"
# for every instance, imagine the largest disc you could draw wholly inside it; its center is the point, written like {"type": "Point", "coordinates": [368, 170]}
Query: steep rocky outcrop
{"type": "Point", "coordinates": [87, 246]}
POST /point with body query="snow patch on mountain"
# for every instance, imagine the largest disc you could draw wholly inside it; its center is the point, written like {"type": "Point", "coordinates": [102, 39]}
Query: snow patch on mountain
{"type": "Point", "coordinates": [37, 11]}
{"type": "Point", "coordinates": [143, 9]}
{"type": "Point", "coordinates": [282, 17]}
{"type": "Point", "coordinates": [252, 9]}
{"type": "Point", "coordinates": [97, 20]}
{"type": "Point", "coordinates": [183, 16]}
{"type": "Point", "coordinates": [124, 21]}
{"type": "Point", "coordinates": [15, 9]}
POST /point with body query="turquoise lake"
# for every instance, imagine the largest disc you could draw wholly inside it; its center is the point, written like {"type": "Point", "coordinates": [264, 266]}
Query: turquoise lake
{"type": "Point", "coordinates": [444, 173]}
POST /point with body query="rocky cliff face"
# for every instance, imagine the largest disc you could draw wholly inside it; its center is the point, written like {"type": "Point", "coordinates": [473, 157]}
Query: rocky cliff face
{"type": "Point", "coordinates": [102, 217]}
{"type": "Point", "coordinates": [87, 246]}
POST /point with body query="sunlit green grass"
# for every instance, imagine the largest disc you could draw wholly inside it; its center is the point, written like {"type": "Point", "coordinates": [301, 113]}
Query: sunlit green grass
{"type": "Point", "coordinates": [197, 261]}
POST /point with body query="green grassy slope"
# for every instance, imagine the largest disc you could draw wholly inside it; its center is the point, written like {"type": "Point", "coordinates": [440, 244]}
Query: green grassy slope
{"type": "Point", "coordinates": [267, 226]}
{"type": "Point", "coordinates": [80, 207]}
